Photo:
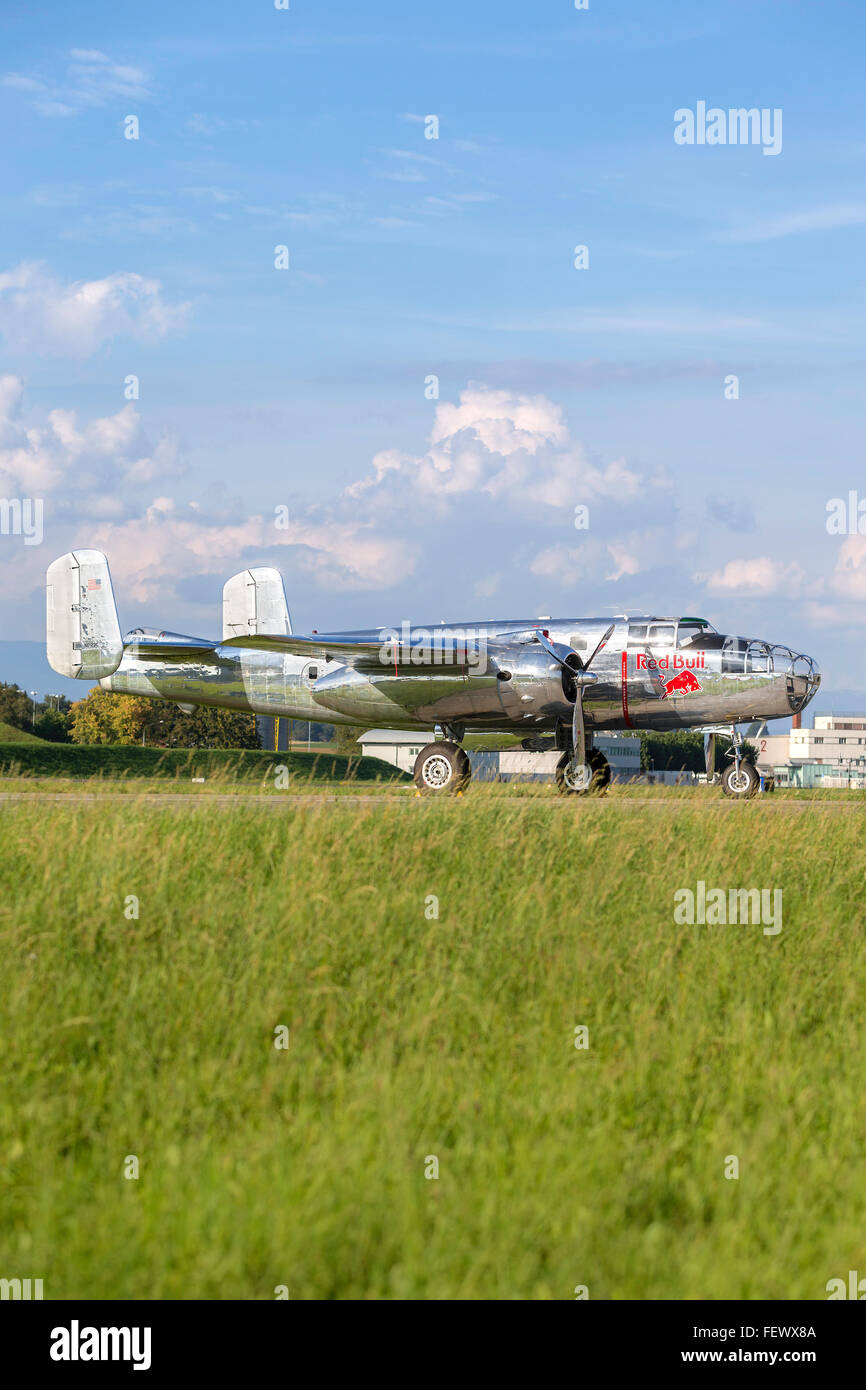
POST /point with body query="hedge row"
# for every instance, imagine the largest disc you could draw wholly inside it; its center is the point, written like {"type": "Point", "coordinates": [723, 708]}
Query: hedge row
{"type": "Point", "coordinates": [93, 760]}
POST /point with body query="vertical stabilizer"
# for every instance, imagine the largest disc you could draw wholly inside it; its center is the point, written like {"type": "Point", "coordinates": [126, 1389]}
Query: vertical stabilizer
{"type": "Point", "coordinates": [82, 630]}
{"type": "Point", "coordinates": [254, 604]}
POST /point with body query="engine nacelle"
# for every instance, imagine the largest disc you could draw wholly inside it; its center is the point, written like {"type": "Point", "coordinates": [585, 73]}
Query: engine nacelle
{"type": "Point", "coordinates": [525, 682]}
{"type": "Point", "coordinates": [538, 683]}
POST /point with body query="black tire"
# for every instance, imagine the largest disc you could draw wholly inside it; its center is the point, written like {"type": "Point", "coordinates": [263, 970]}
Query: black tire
{"type": "Point", "coordinates": [599, 770]}
{"type": "Point", "coordinates": [441, 767]}
{"type": "Point", "coordinates": [743, 784]}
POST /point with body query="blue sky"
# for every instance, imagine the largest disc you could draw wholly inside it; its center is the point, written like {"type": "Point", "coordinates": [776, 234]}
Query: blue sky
{"type": "Point", "coordinates": [409, 257]}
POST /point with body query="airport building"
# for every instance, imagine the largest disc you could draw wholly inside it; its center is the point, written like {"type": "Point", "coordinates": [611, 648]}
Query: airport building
{"type": "Point", "coordinates": [401, 749]}
{"type": "Point", "coordinates": [831, 754]}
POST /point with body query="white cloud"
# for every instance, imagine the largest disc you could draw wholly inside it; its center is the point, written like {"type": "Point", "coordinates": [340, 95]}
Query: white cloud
{"type": "Point", "coordinates": [200, 124]}
{"type": "Point", "coordinates": [625, 561]}
{"type": "Point", "coordinates": [91, 79]}
{"type": "Point", "coordinates": [92, 475]}
{"type": "Point", "coordinates": [487, 586]}
{"type": "Point", "coordinates": [64, 462]}
{"type": "Point", "coordinates": [392, 223]}
{"type": "Point", "coordinates": [591, 560]}
{"type": "Point", "coordinates": [759, 577]}
{"type": "Point", "coordinates": [849, 575]}
{"type": "Point", "coordinates": [149, 553]}
{"type": "Point", "coordinates": [104, 485]}
{"type": "Point", "coordinates": [566, 565]}
{"type": "Point", "coordinates": [40, 312]}
{"type": "Point", "coordinates": [822, 219]}
{"type": "Point", "coordinates": [503, 444]}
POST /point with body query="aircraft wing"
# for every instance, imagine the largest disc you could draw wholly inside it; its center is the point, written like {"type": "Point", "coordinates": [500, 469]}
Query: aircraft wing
{"type": "Point", "coordinates": [381, 655]}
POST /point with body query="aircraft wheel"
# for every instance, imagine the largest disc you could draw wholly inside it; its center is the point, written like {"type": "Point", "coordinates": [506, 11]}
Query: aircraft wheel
{"type": "Point", "coordinates": [596, 777]}
{"type": "Point", "coordinates": [442, 767]}
{"type": "Point", "coordinates": [740, 784]}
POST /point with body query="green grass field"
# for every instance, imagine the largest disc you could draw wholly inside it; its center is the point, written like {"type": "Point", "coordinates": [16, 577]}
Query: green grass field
{"type": "Point", "coordinates": [10, 735]}
{"type": "Point", "coordinates": [412, 1037]}
{"type": "Point", "coordinates": [32, 757]}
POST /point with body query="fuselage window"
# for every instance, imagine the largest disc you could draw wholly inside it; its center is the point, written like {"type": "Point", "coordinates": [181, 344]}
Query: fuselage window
{"type": "Point", "coordinates": [758, 658]}
{"type": "Point", "coordinates": [733, 654]}
{"type": "Point", "coordinates": [313, 673]}
{"type": "Point", "coordinates": [661, 635]}
{"type": "Point", "coordinates": [637, 633]}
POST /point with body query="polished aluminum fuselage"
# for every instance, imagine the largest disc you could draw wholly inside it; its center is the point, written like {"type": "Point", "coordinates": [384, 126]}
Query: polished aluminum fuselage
{"type": "Point", "coordinates": [656, 685]}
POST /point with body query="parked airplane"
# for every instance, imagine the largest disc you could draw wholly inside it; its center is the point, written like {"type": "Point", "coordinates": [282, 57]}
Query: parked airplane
{"type": "Point", "coordinates": [556, 681]}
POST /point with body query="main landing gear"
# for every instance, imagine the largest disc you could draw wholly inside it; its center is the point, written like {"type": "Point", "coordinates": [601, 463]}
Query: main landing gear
{"type": "Point", "coordinates": [589, 779]}
{"type": "Point", "coordinates": [443, 766]}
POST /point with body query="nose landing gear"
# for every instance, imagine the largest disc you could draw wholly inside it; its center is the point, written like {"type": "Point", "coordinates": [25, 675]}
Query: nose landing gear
{"type": "Point", "coordinates": [740, 778]}
{"type": "Point", "coordinates": [740, 782]}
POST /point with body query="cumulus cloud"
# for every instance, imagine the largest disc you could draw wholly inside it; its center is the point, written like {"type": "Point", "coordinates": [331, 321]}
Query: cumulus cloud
{"type": "Point", "coordinates": [489, 455]}
{"type": "Point", "coordinates": [38, 311]}
{"type": "Point", "coordinates": [594, 560]}
{"type": "Point", "coordinates": [759, 577]}
{"type": "Point", "coordinates": [501, 444]}
{"type": "Point", "coordinates": [97, 479]}
{"type": "Point", "coordinates": [567, 565]}
{"type": "Point", "coordinates": [90, 462]}
{"type": "Point", "coordinates": [150, 552]}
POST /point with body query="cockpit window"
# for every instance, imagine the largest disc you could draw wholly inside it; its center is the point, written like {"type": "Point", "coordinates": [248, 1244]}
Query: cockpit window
{"type": "Point", "coordinates": [661, 635]}
{"type": "Point", "coordinates": [692, 631]}
{"type": "Point", "coordinates": [733, 653]}
{"type": "Point", "coordinates": [637, 633]}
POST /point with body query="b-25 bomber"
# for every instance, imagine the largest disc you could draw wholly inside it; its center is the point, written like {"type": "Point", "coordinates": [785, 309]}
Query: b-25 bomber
{"type": "Point", "coordinates": [554, 682]}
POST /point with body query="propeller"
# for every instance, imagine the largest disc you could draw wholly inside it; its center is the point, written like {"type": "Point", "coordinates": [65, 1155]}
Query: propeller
{"type": "Point", "coordinates": [582, 676]}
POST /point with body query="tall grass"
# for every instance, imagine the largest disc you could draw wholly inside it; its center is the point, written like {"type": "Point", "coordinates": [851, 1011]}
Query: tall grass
{"type": "Point", "coordinates": [413, 1037]}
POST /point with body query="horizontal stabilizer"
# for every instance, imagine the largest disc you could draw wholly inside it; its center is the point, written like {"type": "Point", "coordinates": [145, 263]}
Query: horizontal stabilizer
{"type": "Point", "coordinates": [82, 631]}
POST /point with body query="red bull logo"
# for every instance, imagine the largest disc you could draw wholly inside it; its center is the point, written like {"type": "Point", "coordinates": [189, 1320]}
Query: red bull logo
{"type": "Point", "coordinates": [682, 684]}
{"type": "Point", "coordinates": [684, 681]}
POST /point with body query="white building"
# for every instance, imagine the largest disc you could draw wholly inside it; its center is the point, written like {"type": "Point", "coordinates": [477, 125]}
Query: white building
{"type": "Point", "coordinates": [832, 754]}
{"type": "Point", "coordinates": [401, 749]}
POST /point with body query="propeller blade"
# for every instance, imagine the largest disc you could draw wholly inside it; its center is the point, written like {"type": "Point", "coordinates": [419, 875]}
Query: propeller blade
{"type": "Point", "coordinates": [580, 770]}
{"type": "Point", "coordinates": [603, 643]}
{"type": "Point", "coordinates": [549, 647]}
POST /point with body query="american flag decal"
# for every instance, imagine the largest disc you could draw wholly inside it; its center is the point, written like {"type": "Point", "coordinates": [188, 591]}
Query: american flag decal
{"type": "Point", "coordinates": [93, 584]}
